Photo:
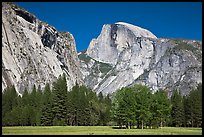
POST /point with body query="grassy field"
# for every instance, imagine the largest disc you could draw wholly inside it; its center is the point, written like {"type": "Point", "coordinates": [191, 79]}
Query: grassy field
{"type": "Point", "coordinates": [96, 130]}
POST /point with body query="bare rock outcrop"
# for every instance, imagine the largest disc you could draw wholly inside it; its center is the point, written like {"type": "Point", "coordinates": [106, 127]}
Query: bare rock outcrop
{"type": "Point", "coordinates": [33, 52]}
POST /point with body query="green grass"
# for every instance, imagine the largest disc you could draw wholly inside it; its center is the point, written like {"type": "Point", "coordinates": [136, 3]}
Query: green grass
{"type": "Point", "coordinates": [96, 130]}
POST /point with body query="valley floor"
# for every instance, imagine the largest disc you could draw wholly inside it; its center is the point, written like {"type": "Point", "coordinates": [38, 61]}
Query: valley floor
{"type": "Point", "coordinates": [96, 130]}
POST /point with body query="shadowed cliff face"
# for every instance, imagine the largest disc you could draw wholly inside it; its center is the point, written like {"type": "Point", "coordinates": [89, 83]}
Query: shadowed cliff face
{"type": "Point", "coordinates": [132, 55]}
{"type": "Point", "coordinates": [33, 52]}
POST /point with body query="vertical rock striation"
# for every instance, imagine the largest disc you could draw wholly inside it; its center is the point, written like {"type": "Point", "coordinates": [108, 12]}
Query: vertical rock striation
{"type": "Point", "coordinates": [134, 55]}
{"type": "Point", "coordinates": [33, 52]}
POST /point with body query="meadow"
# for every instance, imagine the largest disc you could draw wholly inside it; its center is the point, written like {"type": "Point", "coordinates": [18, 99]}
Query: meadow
{"type": "Point", "coordinates": [96, 130]}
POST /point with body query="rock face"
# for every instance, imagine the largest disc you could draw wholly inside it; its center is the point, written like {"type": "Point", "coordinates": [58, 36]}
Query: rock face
{"type": "Point", "coordinates": [34, 52]}
{"type": "Point", "coordinates": [124, 54]}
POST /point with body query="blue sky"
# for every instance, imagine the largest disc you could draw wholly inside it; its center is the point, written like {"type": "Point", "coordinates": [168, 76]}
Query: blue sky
{"type": "Point", "coordinates": [85, 19]}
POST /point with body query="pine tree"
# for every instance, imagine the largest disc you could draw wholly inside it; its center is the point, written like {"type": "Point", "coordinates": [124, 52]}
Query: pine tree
{"type": "Point", "coordinates": [177, 112]}
{"type": "Point", "coordinates": [193, 113]}
{"type": "Point", "coordinates": [187, 111]}
{"type": "Point", "coordinates": [107, 115]}
{"type": "Point", "coordinates": [32, 106]}
{"type": "Point", "coordinates": [143, 96]}
{"type": "Point", "coordinates": [59, 101]}
{"type": "Point", "coordinates": [123, 108]}
{"type": "Point", "coordinates": [9, 103]}
{"type": "Point", "coordinates": [47, 114]}
{"type": "Point", "coordinates": [105, 106]}
{"type": "Point", "coordinates": [154, 108]}
{"type": "Point", "coordinates": [39, 105]}
{"type": "Point", "coordinates": [198, 106]}
{"type": "Point", "coordinates": [163, 107]}
{"type": "Point", "coordinates": [72, 105]}
{"type": "Point", "coordinates": [47, 95]}
{"type": "Point", "coordinates": [9, 99]}
{"type": "Point", "coordinates": [93, 108]}
{"type": "Point", "coordinates": [25, 97]}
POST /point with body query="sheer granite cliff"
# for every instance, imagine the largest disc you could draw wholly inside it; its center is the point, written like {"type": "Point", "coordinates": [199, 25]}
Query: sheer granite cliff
{"type": "Point", "coordinates": [124, 54]}
{"type": "Point", "coordinates": [33, 52]}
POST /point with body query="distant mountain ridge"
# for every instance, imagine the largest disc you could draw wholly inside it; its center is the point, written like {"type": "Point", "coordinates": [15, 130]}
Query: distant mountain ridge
{"type": "Point", "coordinates": [131, 55]}
{"type": "Point", "coordinates": [34, 52]}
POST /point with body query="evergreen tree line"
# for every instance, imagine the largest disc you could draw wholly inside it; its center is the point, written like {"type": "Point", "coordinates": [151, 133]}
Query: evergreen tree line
{"type": "Point", "coordinates": [137, 106]}
{"type": "Point", "coordinates": [129, 107]}
{"type": "Point", "coordinates": [78, 107]}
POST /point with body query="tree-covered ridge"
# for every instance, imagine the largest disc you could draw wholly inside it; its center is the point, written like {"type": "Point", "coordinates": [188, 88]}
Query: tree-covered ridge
{"type": "Point", "coordinates": [134, 106]}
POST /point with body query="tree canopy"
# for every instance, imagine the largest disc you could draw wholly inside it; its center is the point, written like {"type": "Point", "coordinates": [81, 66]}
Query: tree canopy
{"type": "Point", "coordinates": [129, 107]}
